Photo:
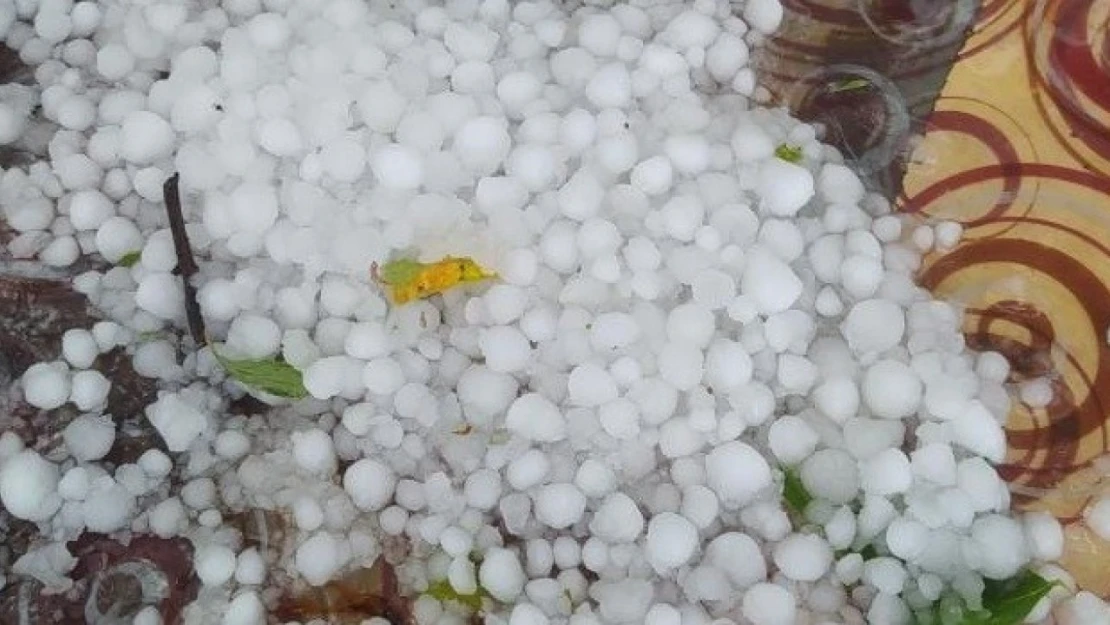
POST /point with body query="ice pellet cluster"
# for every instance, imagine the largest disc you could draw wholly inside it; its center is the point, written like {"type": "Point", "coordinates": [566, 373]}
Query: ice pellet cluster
{"type": "Point", "coordinates": [599, 436]}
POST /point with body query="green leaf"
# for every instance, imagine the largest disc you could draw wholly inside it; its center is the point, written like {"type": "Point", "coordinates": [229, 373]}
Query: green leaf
{"type": "Point", "coordinates": [789, 153]}
{"type": "Point", "coordinates": [130, 259]}
{"type": "Point", "coordinates": [442, 590]}
{"type": "Point", "coordinates": [869, 552]}
{"type": "Point", "coordinates": [1005, 602]}
{"type": "Point", "coordinates": [269, 375]}
{"type": "Point", "coordinates": [1010, 601]}
{"type": "Point", "coordinates": [401, 271]}
{"type": "Point", "coordinates": [794, 491]}
{"type": "Point", "coordinates": [849, 84]}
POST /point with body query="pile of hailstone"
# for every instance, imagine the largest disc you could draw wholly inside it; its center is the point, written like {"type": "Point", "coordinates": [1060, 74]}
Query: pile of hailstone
{"type": "Point", "coordinates": [598, 436]}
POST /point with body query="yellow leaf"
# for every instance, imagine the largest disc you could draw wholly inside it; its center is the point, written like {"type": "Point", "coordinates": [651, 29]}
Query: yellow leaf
{"type": "Point", "coordinates": [405, 279]}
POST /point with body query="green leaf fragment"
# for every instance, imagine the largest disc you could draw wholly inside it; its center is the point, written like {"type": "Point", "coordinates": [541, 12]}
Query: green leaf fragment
{"type": "Point", "coordinates": [849, 84]}
{"type": "Point", "coordinates": [789, 153]}
{"type": "Point", "coordinates": [401, 271]}
{"type": "Point", "coordinates": [1010, 601]}
{"type": "Point", "coordinates": [130, 259]}
{"type": "Point", "coordinates": [794, 491]}
{"type": "Point", "coordinates": [1006, 602]}
{"type": "Point", "coordinates": [269, 375]}
{"type": "Point", "coordinates": [442, 590]}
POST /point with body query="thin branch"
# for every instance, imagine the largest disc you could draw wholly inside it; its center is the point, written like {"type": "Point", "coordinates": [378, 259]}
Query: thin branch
{"type": "Point", "coordinates": [186, 265]}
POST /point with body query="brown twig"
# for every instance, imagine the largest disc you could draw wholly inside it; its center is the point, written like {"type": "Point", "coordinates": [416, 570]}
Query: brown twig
{"type": "Point", "coordinates": [186, 265]}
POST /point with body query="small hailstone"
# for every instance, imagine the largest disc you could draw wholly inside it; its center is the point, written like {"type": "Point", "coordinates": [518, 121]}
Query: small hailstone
{"type": "Point", "coordinates": [803, 557]}
{"type": "Point", "coordinates": [199, 493]}
{"type": "Point", "coordinates": [783, 188]}
{"type": "Point", "coordinates": [482, 489]}
{"type": "Point", "coordinates": [739, 557]}
{"type": "Point", "coordinates": [838, 184]}
{"type": "Point", "coordinates": [397, 167]}
{"type": "Point", "coordinates": [1000, 545]}
{"type": "Point", "coordinates": [690, 324]}
{"type": "Point", "coordinates": [28, 485]}
{"type": "Point", "coordinates": [74, 485]}
{"type": "Point", "coordinates": [861, 275]}
{"type": "Point", "coordinates": [610, 87]}
{"type": "Point", "coordinates": [907, 538]}
{"type": "Point", "coordinates": [770, 282]}
{"type": "Point", "coordinates": [319, 558]}
{"type": "Point", "coordinates": [614, 330]}
{"type": "Point", "coordinates": [313, 451]}
{"type": "Point", "coordinates": [114, 61]}
{"type": "Point", "coordinates": [934, 462]}
{"type": "Point", "coordinates": [481, 144]}
{"type": "Point", "coordinates": [535, 417]}
{"type": "Point", "coordinates": [176, 420]}
{"type": "Point", "coordinates": [148, 616]}
{"type": "Point", "coordinates": [484, 394]}
{"type": "Point", "coordinates": [791, 439]}
{"type": "Point", "coordinates": [325, 378]}
{"type": "Point", "coordinates": [663, 614]}
{"type": "Point", "coordinates": [559, 505]}
{"type": "Point", "coordinates": [713, 289]}
{"type": "Point", "coordinates": [837, 398]}
{"type": "Point", "coordinates": [887, 575]}
{"type": "Point", "coordinates": [1097, 517]}
{"type": "Point", "coordinates": [89, 389]}
{"type": "Point", "coordinates": [145, 137]}
{"type": "Point", "coordinates": [595, 554]}
{"type": "Point", "coordinates": [736, 472]}
{"type": "Point", "coordinates": [167, 518]}
{"type": "Point", "coordinates": [46, 385]}
{"type": "Point", "coordinates": [590, 385]}
{"type": "Point", "coordinates": [689, 153]}
{"type": "Point", "coordinates": [505, 349]}
{"type": "Point", "coordinates": [948, 234]}
{"type": "Point", "coordinates": [108, 506]}
{"type": "Point", "coordinates": [159, 294]}
{"type": "Point", "coordinates": [232, 444]}
{"type": "Point", "coordinates": [88, 209]}
{"type": "Point", "coordinates": [89, 437]}
{"type": "Point", "coordinates": [246, 608]}
{"type": "Point", "coordinates": [383, 376]}
{"type": "Point", "coordinates": [155, 463]}
{"type": "Point", "coordinates": [624, 601]}
{"type": "Point", "coordinates": [370, 484]}
{"type": "Point", "coordinates": [671, 541]}
{"type": "Point", "coordinates": [653, 176]}
{"type": "Point", "coordinates": [874, 326]}
{"type": "Point", "coordinates": [977, 430]}
{"type": "Point", "coordinates": [1085, 607]}
{"type": "Point", "coordinates": [887, 473]}
{"type": "Point", "coordinates": [594, 478]}
{"type": "Point", "coordinates": [769, 604]}
{"type": "Point", "coordinates": [617, 519]}
{"type": "Point", "coordinates": [892, 389]}
{"type": "Point", "coordinates": [831, 474]}
{"type": "Point", "coordinates": [528, 469]}
{"type": "Point", "coordinates": [215, 564]}
{"type": "Point", "coordinates": [308, 514]}
{"type": "Point", "coordinates": [501, 575]}
{"type": "Point", "coordinates": [367, 340]}
{"type": "Point", "coordinates": [253, 337]}
{"type": "Point", "coordinates": [599, 33]}
{"type": "Point", "coordinates": [681, 365]}
{"type": "Point", "coordinates": [250, 567]}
